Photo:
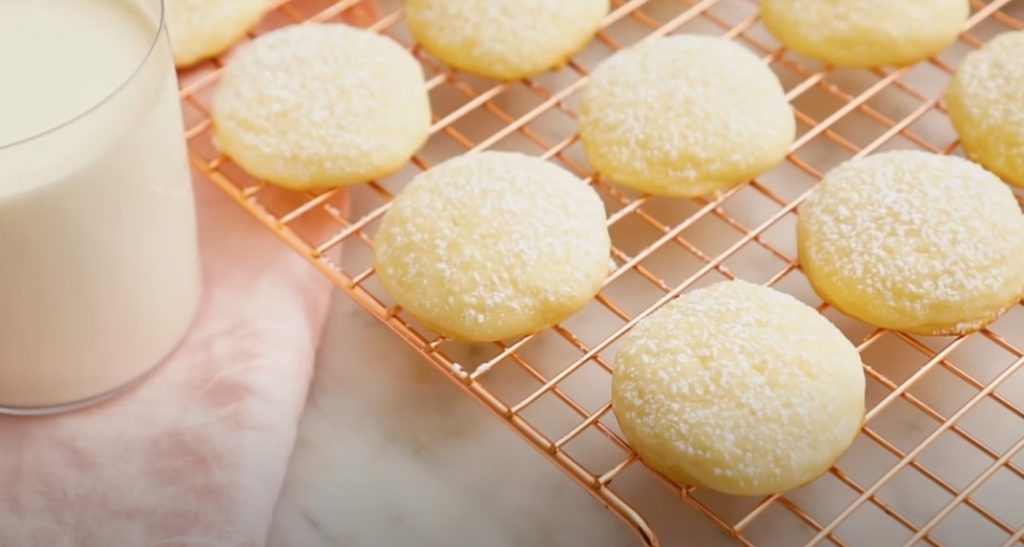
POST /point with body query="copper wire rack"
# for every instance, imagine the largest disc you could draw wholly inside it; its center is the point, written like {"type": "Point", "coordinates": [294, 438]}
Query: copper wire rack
{"type": "Point", "coordinates": [939, 461]}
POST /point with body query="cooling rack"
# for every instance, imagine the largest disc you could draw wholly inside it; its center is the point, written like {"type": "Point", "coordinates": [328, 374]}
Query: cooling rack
{"type": "Point", "coordinates": [939, 460]}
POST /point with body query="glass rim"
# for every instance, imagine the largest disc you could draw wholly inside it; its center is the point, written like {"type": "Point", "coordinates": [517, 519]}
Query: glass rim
{"type": "Point", "coordinates": [106, 98]}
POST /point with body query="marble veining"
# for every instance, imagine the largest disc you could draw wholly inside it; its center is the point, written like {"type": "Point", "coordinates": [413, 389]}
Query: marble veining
{"type": "Point", "coordinates": [389, 452]}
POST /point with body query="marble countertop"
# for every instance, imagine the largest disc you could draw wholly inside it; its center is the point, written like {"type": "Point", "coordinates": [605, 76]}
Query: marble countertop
{"type": "Point", "coordinates": [389, 452]}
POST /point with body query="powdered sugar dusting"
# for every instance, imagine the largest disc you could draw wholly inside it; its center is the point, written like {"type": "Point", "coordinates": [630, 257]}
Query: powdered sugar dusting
{"type": "Point", "coordinates": [865, 32]}
{"type": "Point", "coordinates": [739, 388]}
{"type": "Point", "coordinates": [321, 105]}
{"type": "Point", "coordinates": [493, 245]}
{"type": "Point", "coordinates": [504, 39]}
{"type": "Point", "coordinates": [201, 28]}
{"type": "Point", "coordinates": [986, 104]}
{"type": "Point", "coordinates": [684, 115]}
{"type": "Point", "coordinates": [914, 241]}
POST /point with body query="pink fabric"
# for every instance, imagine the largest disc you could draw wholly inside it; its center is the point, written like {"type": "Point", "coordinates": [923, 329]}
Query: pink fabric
{"type": "Point", "coordinates": [195, 455]}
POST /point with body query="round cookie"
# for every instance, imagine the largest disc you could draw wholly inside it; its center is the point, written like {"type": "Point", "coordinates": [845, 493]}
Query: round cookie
{"type": "Point", "coordinates": [684, 116]}
{"type": "Point", "coordinates": [986, 105]}
{"type": "Point", "coordinates": [504, 39]}
{"type": "Point", "coordinates": [914, 242]}
{"type": "Point", "coordinates": [322, 105]}
{"type": "Point", "coordinates": [200, 29]}
{"type": "Point", "coordinates": [865, 33]}
{"type": "Point", "coordinates": [738, 388]}
{"type": "Point", "coordinates": [493, 245]}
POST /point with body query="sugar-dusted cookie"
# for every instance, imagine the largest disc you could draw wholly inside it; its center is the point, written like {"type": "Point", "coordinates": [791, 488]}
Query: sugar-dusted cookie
{"type": "Point", "coordinates": [504, 39]}
{"type": "Point", "coordinates": [865, 33]}
{"type": "Point", "coordinates": [321, 105]}
{"type": "Point", "coordinates": [738, 388]}
{"type": "Point", "coordinates": [200, 29]}
{"type": "Point", "coordinates": [915, 242]}
{"type": "Point", "coordinates": [493, 245]}
{"type": "Point", "coordinates": [986, 105]}
{"type": "Point", "coordinates": [684, 116]}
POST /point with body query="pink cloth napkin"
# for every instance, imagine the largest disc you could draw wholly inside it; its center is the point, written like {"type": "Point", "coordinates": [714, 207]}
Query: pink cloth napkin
{"type": "Point", "coordinates": [195, 455]}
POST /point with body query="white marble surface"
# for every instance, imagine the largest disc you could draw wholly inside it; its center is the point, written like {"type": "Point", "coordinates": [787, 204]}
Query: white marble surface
{"type": "Point", "coordinates": [391, 453]}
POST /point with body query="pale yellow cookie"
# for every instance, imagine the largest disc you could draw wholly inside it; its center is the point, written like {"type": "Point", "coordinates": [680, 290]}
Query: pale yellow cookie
{"type": "Point", "coordinates": [321, 105]}
{"type": "Point", "coordinates": [200, 29]}
{"type": "Point", "coordinates": [738, 388]}
{"type": "Point", "coordinates": [865, 33]}
{"type": "Point", "coordinates": [493, 245]}
{"type": "Point", "coordinates": [914, 242]}
{"type": "Point", "coordinates": [986, 105]}
{"type": "Point", "coordinates": [504, 39]}
{"type": "Point", "coordinates": [684, 116]}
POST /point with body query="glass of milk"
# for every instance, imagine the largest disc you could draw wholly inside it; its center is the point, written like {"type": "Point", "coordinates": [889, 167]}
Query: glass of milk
{"type": "Point", "coordinates": [99, 272]}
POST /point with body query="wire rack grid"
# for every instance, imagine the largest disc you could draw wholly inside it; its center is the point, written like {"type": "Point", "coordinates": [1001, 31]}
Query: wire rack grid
{"type": "Point", "coordinates": [946, 415]}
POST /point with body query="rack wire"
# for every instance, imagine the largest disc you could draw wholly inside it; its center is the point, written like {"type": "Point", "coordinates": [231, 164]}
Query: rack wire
{"type": "Point", "coordinates": [940, 458]}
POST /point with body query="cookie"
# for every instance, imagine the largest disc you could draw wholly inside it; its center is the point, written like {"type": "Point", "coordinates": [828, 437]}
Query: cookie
{"type": "Point", "coordinates": [915, 242]}
{"type": "Point", "coordinates": [865, 33]}
{"type": "Point", "coordinates": [684, 116]}
{"type": "Point", "coordinates": [738, 388]}
{"type": "Point", "coordinates": [200, 29]}
{"type": "Point", "coordinates": [986, 104]}
{"type": "Point", "coordinates": [493, 245]}
{"type": "Point", "coordinates": [504, 39]}
{"type": "Point", "coordinates": [321, 105]}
